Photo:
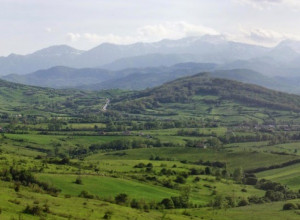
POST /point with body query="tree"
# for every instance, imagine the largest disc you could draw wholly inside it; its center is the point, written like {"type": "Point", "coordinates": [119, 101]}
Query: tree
{"type": "Point", "coordinates": [219, 202]}
{"type": "Point", "coordinates": [207, 170]}
{"type": "Point", "coordinates": [185, 196]}
{"type": "Point", "coordinates": [238, 174]}
{"type": "Point", "coordinates": [167, 203]}
{"type": "Point", "coordinates": [180, 179]}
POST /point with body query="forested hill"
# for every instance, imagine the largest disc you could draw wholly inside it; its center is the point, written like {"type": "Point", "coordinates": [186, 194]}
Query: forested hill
{"type": "Point", "coordinates": [31, 100]}
{"type": "Point", "coordinates": [185, 89]}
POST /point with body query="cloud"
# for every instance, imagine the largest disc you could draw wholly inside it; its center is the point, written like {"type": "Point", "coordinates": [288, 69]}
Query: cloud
{"type": "Point", "coordinates": [261, 36]}
{"type": "Point", "coordinates": [262, 4]}
{"type": "Point", "coordinates": [73, 37]}
{"type": "Point", "coordinates": [174, 30]}
{"type": "Point", "coordinates": [148, 33]}
{"type": "Point", "coordinates": [109, 38]}
{"type": "Point", "coordinates": [48, 29]}
{"type": "Point", "coordinates": [177, 30]}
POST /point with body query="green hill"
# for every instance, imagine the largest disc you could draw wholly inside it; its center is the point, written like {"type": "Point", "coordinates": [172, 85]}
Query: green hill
{"type": "Point", "coordinates": [22, 99]}
{"type": "Point", "coordinates": [186, 90]}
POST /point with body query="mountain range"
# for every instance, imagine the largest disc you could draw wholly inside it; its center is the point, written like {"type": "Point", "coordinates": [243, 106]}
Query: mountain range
{"type": "Point", "coordinates": [207, 48]}
{"type": "Point", "coordinates": [142, 78]}
{"type": "Point", "coordinates": [144, 65]}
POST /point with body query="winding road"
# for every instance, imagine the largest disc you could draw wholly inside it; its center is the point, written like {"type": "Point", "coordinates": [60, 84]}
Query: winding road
{"type": "Point", "coordinates": [104, 108]}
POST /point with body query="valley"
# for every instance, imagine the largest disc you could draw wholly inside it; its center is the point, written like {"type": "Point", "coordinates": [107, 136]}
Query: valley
{"type": "Point", "coordinates": [198, 147]}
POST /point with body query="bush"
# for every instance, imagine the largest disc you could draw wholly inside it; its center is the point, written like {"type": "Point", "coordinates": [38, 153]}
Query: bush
{"type": "Point", "coordinates": [180, 202]}
{"type": "Point", "coordinates": [289, 206]}
{"type": "Point", "coordinates": [256, 200]}
{"type": "Point", "coordinates": [33, 210]}
{"type": "Point", "coordinates": [243, 202]}
{"type": "Point", "coordinates": [122, 198]}
{"type": "Point", "coordinates": [134, 204]}
{"type": "Point", "coordinates": [17, 187]}
{"type": "Point", "coordinates": [167, 203]}
{"type": "Point", "coordinates": [140, 165]}
{"type": "Point", "coordinates": [250, 181]}
{"type": "Point", "coordinates": [107, 214]}
{"type": "Point", "coordinates": [78, 180]}
{"type": "Point", "coordinates": [25, 178]}
{"type": "Point", "coordinates": [180, 179]}
{"type": "Point", "coordinates": [85, 194]}
{"type": "Point", "coordinates": [146, 207]}
{"type": "Point", "coordinates": [186, 213]}
{"type": "Point", "coordinates": [197, 179]}
{"type": "Point", "coordinates": [274, 195]}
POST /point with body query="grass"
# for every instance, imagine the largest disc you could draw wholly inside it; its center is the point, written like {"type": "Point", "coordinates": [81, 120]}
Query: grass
{"type": "Point", "coordinates": [244, 159]}
{"type": "Point", "coordinates": [289, 176]}
{"type": "Point", "coordinates": [272, 211]}
{"type": "Point", "coordinates": [12, 205]}
{"type": "Point", "coordinates": [105, 187]}
{"type": "Point", "coordinates": [106, 173]}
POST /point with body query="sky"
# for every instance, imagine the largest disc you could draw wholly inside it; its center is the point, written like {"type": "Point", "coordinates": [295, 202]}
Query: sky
{"type": "Point", "coordinates": [30, 25]}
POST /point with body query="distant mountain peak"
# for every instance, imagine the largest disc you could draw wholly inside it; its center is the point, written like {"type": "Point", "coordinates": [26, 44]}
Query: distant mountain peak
{"type": "Point", "coordinates": [57, 50]}
{"type": "Point", "coordinates": [292, 44]}
{"type": "Point", "coordinates": [214, 39]}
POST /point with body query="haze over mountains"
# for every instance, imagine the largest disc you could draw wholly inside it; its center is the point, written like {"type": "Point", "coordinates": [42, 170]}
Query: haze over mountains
{"type": "Point", "coordinates": [143, 65]}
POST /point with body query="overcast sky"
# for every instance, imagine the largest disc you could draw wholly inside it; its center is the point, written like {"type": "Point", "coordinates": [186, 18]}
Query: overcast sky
{"type": "Point", "coordinates": [29, 25]}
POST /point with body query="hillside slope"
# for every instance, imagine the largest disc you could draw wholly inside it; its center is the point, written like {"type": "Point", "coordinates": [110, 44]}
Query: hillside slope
{"type": "Point", "coordinates": [31, 100]}
{"type": "Point", "coordinates": [188, 90]}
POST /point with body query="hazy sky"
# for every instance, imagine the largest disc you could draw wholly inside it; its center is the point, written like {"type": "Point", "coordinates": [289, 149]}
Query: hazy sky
{"type": "Point", "coordinates": [29, 25]}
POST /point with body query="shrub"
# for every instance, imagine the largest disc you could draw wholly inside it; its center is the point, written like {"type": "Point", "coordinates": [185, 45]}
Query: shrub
{"type": "Point", "coordinates": [121, 198]}
{"type": "Point", "coordinates": [134, 204]}
{"type": "Point", "coordinates": [149, 169]}
{"type": "Point", "coordinates": [180, 202]}
{"type": "Point", "coordinates": [167, 203]}
{"type": "Point", "coordinates": [107, 214]}
{"type": "Point", "coordinates": [289, 206]}
{"type": "Point", "coordinates": [17, 187]}
{"type": "Point", "coordinates": [150, 165]}
{"type": "Point", "coordinates": [17, 202]}
{"type": "Point", "coordinates": [186, 213]}
{"type": "Point", "coordinates": [78, 180]}
{"type": "Point", "coordinates": [243, 202]}
{"type": "Point", "coordinates": [274, 195]}
{"type": "Point", "coordinates": [256, 200]}
{"type": "Point", "coordinates": [140, 165]}
{"type": "Point", "coordinates": [146, 207]}
{"type": "Point", "coordinates": [207, 170]}
{"type": "Point", "coordinates": [33, 210]}
{"type": "Point", "coordinates": [197, 179]}
{"type": "Point", "coordinates": [180, 179]}
{"type": "Point", "coordinates": [85, 194]}
{"type": "Point", "coordinates": [250, 181]}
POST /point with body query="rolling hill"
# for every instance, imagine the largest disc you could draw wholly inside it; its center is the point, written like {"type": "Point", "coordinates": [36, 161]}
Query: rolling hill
{"type": "Point", "coordinates": [97, 79]}
{"type": "Point", "coordinates": [142, 78]}
{"type": "Point", "coordinates": [19, 99]}
{"type": "Point", "coordinates": [211, 92]}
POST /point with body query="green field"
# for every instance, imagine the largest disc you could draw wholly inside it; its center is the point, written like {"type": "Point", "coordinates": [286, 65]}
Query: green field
{"type": "Point", "coordinates": [195, 148]}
